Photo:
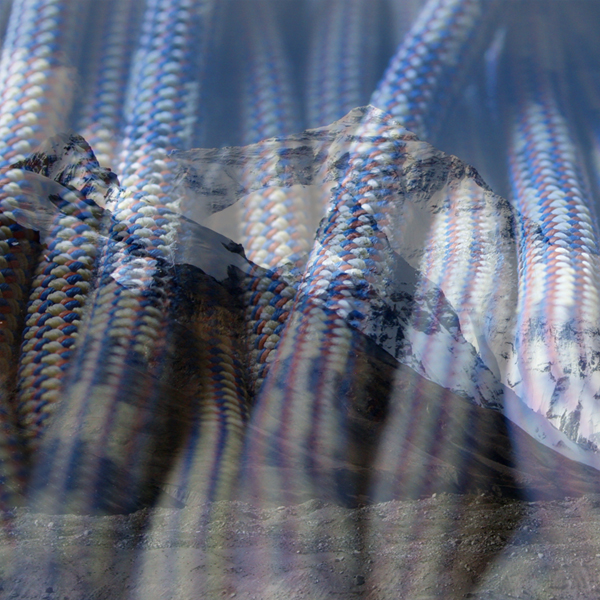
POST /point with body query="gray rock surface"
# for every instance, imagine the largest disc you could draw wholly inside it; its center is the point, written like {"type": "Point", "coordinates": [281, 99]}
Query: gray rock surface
{"type": "Point", "coordinates": [445, 546]}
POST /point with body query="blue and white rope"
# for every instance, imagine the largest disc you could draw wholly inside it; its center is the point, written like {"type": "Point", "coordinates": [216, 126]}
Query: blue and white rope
{"type": "Point", "coordinates": [113, 394]}
{"type": "Point", "coordinates": [421, 73]}
{"type": "Point", "coordinates": [557, 235]}
{"type": "Point", "coordinates": [36, 92]}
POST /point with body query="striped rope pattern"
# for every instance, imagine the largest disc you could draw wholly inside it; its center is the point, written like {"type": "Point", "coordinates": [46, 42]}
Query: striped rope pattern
{"type": "Point", "coordinates": [36, 80]}
{"type": "Point", "coordinates": [300, 414]}
{"type": "Point", "coordinates": [341, 57]}
{"type": "Point", "coordinates": [132, 396]}
{"type": "Point", "coordinates": [419, 76]}
{"type": "Point", "coordinates": [61, 283]}
{"type": "Point", "coordinates": [219, 405]}
{"type": "Point", "coordinates": [35, 97]}
{"type": "Point", "coordinates": [114, 397]}
{"type": "Point", "coordinates": [268, 298]}
{"type": "Point", "coordinates": [403, 15]}
{"type": "Point", "coordinates": [416, 80]}
{"type": "Point", "coordinates": [588, 89]}
{"type": "Point", "coordinates": [36, 86]}
{"type": "Point", "coordinates": [65, 271]}
{"type": "Point", "coordinates": [268, 105]}
{"type": "Point", "coordinates": [223, 402]}
{"type": "Point", "coordinates": [467, 256]}
{"type": "Point", "coordinates": [558, 259]}
{"type": "Point", "coordinates": [274, 221]}
{"type": "Point", "coordinates": [124, 351]}
{"type": "Point", "coordinates": [425, 63]}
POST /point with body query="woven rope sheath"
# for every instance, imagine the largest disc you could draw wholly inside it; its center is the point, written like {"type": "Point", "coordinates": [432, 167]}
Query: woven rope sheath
{"type": "Point", "coordinates": [36, 86]}
{"type": "Point", "coordinates": [558, 255]}
{"type": "Point", "coordinates": [304, 425]}
{"type": "Point", "coordinates": [61, 282]}
{"type": "Point", "coordinates": [97, 310]}
{"type": "Point", "coordinates": [422, 69]}
{"type": "Point", "coordinates": [114, 397]}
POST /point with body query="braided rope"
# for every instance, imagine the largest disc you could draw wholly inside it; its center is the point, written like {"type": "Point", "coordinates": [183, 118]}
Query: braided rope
{"type": "Point", "coordinates": [274, 222]}
{"type": "Point", "coordinates": [268, 298]}
{"type": "Point", "coordinates": [113, 394]}
{"type": "Point", "coordinates": [61, 284]}
{"type": "Point", "coordinates": [467, 255]}
{"type": "Point", "coordinates": [426, 62]}
{"type": "Point", "coordinates": [558, 260]}
{"type": "Point", "coordinates": [211, 453]}
{"type": "Point", "coordinates": [36, 86]}
{"type": "Point", "coordinates": [64, 274]}
{"type": "Point", "coordinates": [300, 414]}
{"type": "Point", "coordinates": [35, 97]}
